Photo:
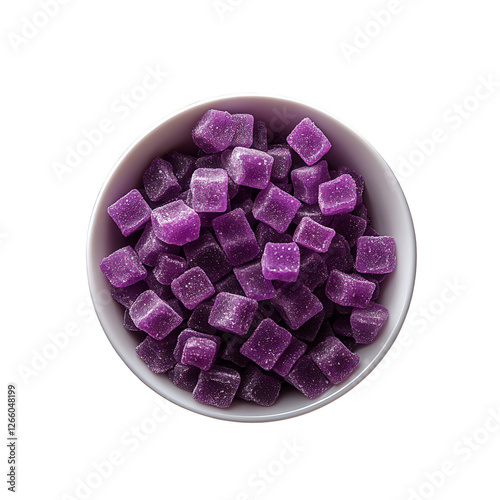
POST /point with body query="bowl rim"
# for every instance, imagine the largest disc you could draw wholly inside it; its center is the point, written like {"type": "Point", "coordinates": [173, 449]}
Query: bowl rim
{"type": "Point", "coordinates": [309, 405]}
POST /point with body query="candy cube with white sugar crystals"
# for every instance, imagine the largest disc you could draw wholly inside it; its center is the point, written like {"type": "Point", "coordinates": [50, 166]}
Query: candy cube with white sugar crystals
{"type": "Point", "coordinates": [157, 354]}
{"type": "Point", "coordinates": [258, 387]}
{"type": "Point", "coordinates": [375, 254]}
{"type": "Point", "coordinates": [243, 130]}
{"type": "Point", "coordinates": [183, 166]}
{"type": "Point", "coordinates": [199, 352]}
{"type": "Point", "coordinates": [253, 282]}
{"type": "Point", "coordinates": [187, 334]}
{"type": "Point", "coordinates": [149, 247]}
{"type": "Point", "coordinates": [130, 212]}
{"type": "Point", "coordinates": [308, 141]}
{"type": "Point", "coordinates": [249, 167]}
{"type": "Point", "coordinates": [123, 267]}
{"type": "Point", "coordinates": [308, 378]}
{"type": "Point", "coordinates": [209, 188]}
{"type": "Point", "coordinates": [192, 287]}
{"type": "Point", "coordinates": [310, 234]}
{"type": "Point", "coordinates": [349, 289]}
{"type": "Point", "coordinates": [126, 295]}
{"type": "Point", "coordinates": [217, 387]}
{"type": "Point", "coordinates": [184, 377]}
{"type": "Point", "coordinates": [306, 181]}
{"type": "Point", "coordinates": [282, 163]}
{"type": "Point", "coordinates": [358, 179]}
{"type": "Point", "coordinates": [291, 354]}
{"type": "Point", "coordinates": [314, 213]}
{"type": "Point", "coordinates": [351, 227]}
{"type": "Point", "coordinates": [169, 267]}
{"type": "Point", "coordinates": [367, 323]}
{"type": "Point", "coordinates": [232, 313]}
{"type": "Point", "coordinates": [176, 223]}
{"type": "Point", "coordinates": [281, 261]}
{"type": "Point", "coordinates": [337, 196]}
{"type": "Point", "coordinates": [160, 182]}
{"type": "Point", "coordinates": [214, 131]}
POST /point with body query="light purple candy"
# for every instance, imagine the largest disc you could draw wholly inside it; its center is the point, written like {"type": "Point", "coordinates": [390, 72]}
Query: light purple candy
{"type": "Point", "coordinates": [334, 360]}
{"type": "Point", "coordinates": [296, 304]}
{"type": "Point", "coordinates": [186, 334]}
{"type": "Point", "coordinates": [123, 267]}
{"type": "Point", "coordinates": [183, 376]}
{"type": "Point", "coordinates": [314, 213]}
{"type": "Point", "coordinates": [349, 289]}
{"type": "Point", "coordinates": [313, 271]}
{"type": "Point", "coordinates": [281, 165]}
{"type": "Point", "coordinates": [154, 316]}
{"type": "Point", "coordinates": [275, 207]}
{"type": "Point", "coordinates": [310, 328]}
{"type": "Point", "coordinates": [157, 354]}
{"type": "Point", "coordinates": [252, 281]}
{"type": "Point", "coordinates": [199, 352]}
{"type": "Point", "coordinates": [367, 323]}
{"type": "Point", "coordinates": [339, 255]}
{"type": "Point", "coordinates": [176, 223]}
{"type": "Point", "coordinates": [217, 387]}
{"type": "Point", "coordinates": [310, 234]}
{"type": "Point", "coordinates": [260, 136]}
{"type": "Point", "coordinates": [250, 167]}
{"type": "Point", "coordinates": [243, 130]}
{"type": "Point", "coordinates": [130, 212]}
{"type": "Point", "coordinates": [229, 284]}
{"type": "Point", "coordinates": [308, 378]}
{"type": "Point", "coordinates": [169, 267]}
{"type": "Point", "coordinates": [358, 179]}
{"type": "Point", "coordinates": [214, 131]}
{"type": "Point", "coordinates": [126, 295]}
{"type": "Point", "coordinates": [349, 226]}
{"type": "Point", "coordinates": [209, 189]}
{"type": "Point", "coordinates": [337, 196]}
{"type": "Point", "coordinates": [192, 287]}
{"type": "Point", "coordinates": [266, 344]}
{"type": "Point", "coordinates": [306, 181]}
{"type": "Point", "coordinates": [183, 167]}
{"type": "Point", "coordinates": [198, 320]}
{"type": "Point", "coordinates": [281, 261]}
{"type": "Point", "coordinates": [149, 247]}
{"type": "Point", "coordinates": [160, 182]}
{"type": "Point", "coordinates": [291, 354]}
{"type": "Point", "coordinates": [232, 352]}
{"type": "Point", "coordinates": [375, 254]}
{"type": "Point", "coordinates": [308, 141]}
{"type": "Point", "coordinates": [232, 313]}
{"type": "Point", "coordinates": [236, 237]}
{"type": "Point", "coordinates": [258, 387]}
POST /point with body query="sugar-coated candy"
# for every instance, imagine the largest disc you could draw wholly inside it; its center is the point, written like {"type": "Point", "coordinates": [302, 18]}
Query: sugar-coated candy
{"type": "Point", "coordinates": [149, 247]}
{"type": "Point", "coordinates": [349, 226]}
{"type": "Point", "coordinates": [296, 304]}
{"type": "Point", "coordinates": [308, 141]}
{"type": "Point", "coordinates": [130, 212]}
{"type": "Point", "coordinates": [308, 378]}
{"type": "Point", "coordinates": [306, 181]}
{"type": "Point", "coordinates": [188, 333]}
{"type": "Point", "coordinates": [236, 237]}
{"type": "Point", "coordinates": [217, 387]}
{"type": "Point", "coordinates": [176, 223]}
{"type": "Point", "coordinates": [253, 282]}
{"type": "Point", "coordinates": [310, 234]}
{"type": "Point", "coordinates": [249, 167]}
{"type": "Point", "coordinates": [192, 287]}
{"type": "Point", "coordinates": [375, 254]}
{"type": "Point", "coordinates": [184, 377]}
{"type": "Point", "coordinates": [199, 352]}
{"type": "Point", "coordinates": [314, 213]}
{"type": "Point", "coordinates": [209, 188]}
{"type": "Point", "coordinates": [229, 284]}
{"type": "Point", "coordinates": [198, 320]}
{"type": "Point", "coordinates": [258, 387]}
{"type": "Point", "coordinates": [126, 295]}
{"type": "Point", "coordinates": [153, 315]}
{"type": "Point", "coordinates": [266, 344]}
{"type": "Point", "coordinates": [291, 354]}
{"type": "Point", "coordinates": [183, 167]}
{"type": "Point", "coordinates": [169, 267]}
{"type": "Point", "coordinates": [281, 261]}
{"type": "Point", "coordinates": [123, 267]}
{"type": "Point", "coordinates": [358, 179]}
{"type": "Point", "coordinates": [282, 163]}
{"type": "Point", "coordinates": [128, 324]}
{"type": "Point", "coordinates": [339, 255]}
{"type": "Point", "coordinates": [337, 196]}
{"type": "Point", "coordinates": [214, 131]}
{"type": "Point", "coordinates": [243, 130]}
{"type": "Point", "coordinates": [260, 136]}
{"type": "Point", "coordinates": [231, 352]}
{"type": "Point", "coordinates": [275, 207]}
{"type": "Point", "coordinates": [158, 355]}
{"type": "Point", "coordinates": [349, 289]}
{"type": "Point", "coordinates": [367, 323]}
{"type": "Point", "coordinates": [334, 359]}
{"type": "Point", "coordinates": [232, 313]}
{"type": "Point", "coordinates": [160, 182]}
{"type": "Point", "coordinates": [310, 328]}
{"type": "Point", "coordinates": [313, 271]}
{"type": "Point", "coordinates": [207, 254]}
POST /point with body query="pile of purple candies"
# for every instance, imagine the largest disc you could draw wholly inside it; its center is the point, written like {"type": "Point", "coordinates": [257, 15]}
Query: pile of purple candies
{"type": "Point", "coordinates": [250, 265]}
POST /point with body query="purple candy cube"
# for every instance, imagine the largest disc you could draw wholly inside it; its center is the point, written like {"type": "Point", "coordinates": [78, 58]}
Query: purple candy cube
{"type": "Point", "coordinates": [306, 181]}
{"type": "Point", "coordinates": [339, 255]}
{"type": "Point", "coordinates": [168, 268]}
{"type": "Point", "coordinates": [349, 226]}
{"type": "Point", "coordinates": [154, 316]}
{"type": "Point", "coordinates": [185, 335]}
{"type": "Point", "coordinates": [232, 352]}
{"type": "Point", "coordinates": [130, 213]}
{"type": "Point", "coordinates": [292, 353]}
{"type": "Point", "coordinates": [367, 323]}
{"type": "Point", "coordinates": [250, 167]}
{"type": "Point", "coordinates": [214, 131]}
{"type": "Point", "coordinates": [199, 352]}
{"type": "Point", "coordinates": [281, 261]}
{"type": "Point", "coordinates": [236, 237]}
{"type": "Point", "coordinates": [217, 387]}
{"type": "Point", "coordinates": [176, 223]}
{"type": "Point", "coordinates": [358, 179]}
{"type": "Point", "coordinates": [229, 284]}
{"type": "Point", "coordinates": [209, 189]}
{"type": "Point", "coordinates": [252, 281]}
{"type": "Point", "coordinates": [275, 207]}
{"type": "Point", "coordinates": [192, 287]}
{"type": "Point", "coordinates": [313, 271]}
{"type": "Point", "coordinates": [308, 141]}
{"type": "Point", "coordinates": [232, 313]}
{"type": "Point", "coordinates": [266, 234]}
{"type": "Point", "coordinates": [260, 136]}
{"type": "Point", "coordinates": [308, 378]}
{"type": "Point", "coordinates": [126, 295]}
{"type": "Point", "coordinates": [243, 130]}
{"type": "Point", "coordinates": [184, 377]}
{"type": "Point", "coordinates": [314, 213]}
{"type": "Point", "coordinates": [375, 254]}
{"type": "Point", "coordinates": [296, 304]}
{"type": "Point", "coordinates": [258, 388]}
{"type": "Point", "coordinates": [349, 289]}
{"type": "Point", "coordinates": [199, 318]}
{"type": "Point", "coordinates": [157, 354]}
{"type": "Point", "coordinates": [149, 247]}
{"type": "Point", "coordinates": [123, 267]}
{"type": "Point", "coordinates": [334, 359]}
{"type": "Point", "coordinates": [183, 167]}
{"type": "Point", "coordinates": [266, 344]}
{"type": "Point", "coordinates": [282, 163]}
{"type": "Point", "coordinates": [337, 196]}
{"type": "Point", "coordinates": [160, 182]}
{"type": "Point", "coordinates": [312, 235]}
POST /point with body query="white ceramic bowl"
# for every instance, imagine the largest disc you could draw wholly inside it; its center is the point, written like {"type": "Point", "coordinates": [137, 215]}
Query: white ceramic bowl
{"type": "Point", "coordinates": [383, 197]}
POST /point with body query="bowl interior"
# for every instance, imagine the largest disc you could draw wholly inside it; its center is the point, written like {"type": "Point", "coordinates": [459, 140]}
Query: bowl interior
{"type": "Point", "coordinates": [383, 197]}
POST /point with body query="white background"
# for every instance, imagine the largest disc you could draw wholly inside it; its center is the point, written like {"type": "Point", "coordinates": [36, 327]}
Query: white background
{"type": "Point", "coordinates": [440, 383]}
